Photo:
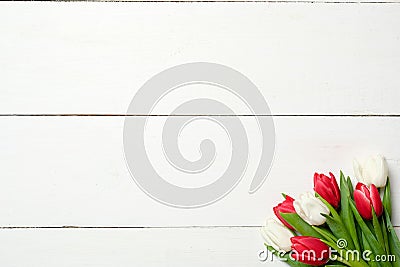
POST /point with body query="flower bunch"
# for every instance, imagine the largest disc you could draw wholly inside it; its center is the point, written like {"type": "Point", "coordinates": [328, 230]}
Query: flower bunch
{"type": "Point", "coordinates": [337, 226]}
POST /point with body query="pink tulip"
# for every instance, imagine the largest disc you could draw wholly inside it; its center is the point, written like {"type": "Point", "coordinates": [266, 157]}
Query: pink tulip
{"type": "Point", "coordinates": [366, 199]}
{"type": "Point", "coordinates": [285, 207]}
{"type": "Point", "coordinates": [327, 188]}
{"type": "Point", "coordinates": [310, 250]}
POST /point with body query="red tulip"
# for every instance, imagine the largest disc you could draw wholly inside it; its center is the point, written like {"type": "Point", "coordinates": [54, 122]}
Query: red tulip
{"type": "Point", "coordinates": [309, 250]}
{"type": "Point", "coordinates": [366, 199]}
{"type": "Point", "coordinates": [327, 188]}
{"type": "Point", "coordinates": [285, 207]}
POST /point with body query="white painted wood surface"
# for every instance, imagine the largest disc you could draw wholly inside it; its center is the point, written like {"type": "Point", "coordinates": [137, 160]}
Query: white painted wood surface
{"type": "Point", "coordinates": [305, 58]}
{"type": "Point", "coordinates": [236, 247]}
{"type": "Point", "coordinates": [71, 171]}
{"type": "Point", "coordinates": [90, 58]}
{"type": "Point", "coordinates": [132, 247]}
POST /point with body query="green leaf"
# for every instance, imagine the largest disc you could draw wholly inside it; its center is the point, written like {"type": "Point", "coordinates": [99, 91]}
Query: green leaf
{"type": "Point", "coordinates": [332, 245]}
{"type": "Point", "coordinates": [359, 235]}
{"type": "Point", "coordinates": [335, 264]}
{"type": "Point", "coordinates": [300, 225]}
{"type": "Point", "coordinates": [368, 247]}
{"type": "Point", "coordinates": [336, 224]}
{"type": "Point", "coordinates": [339, 230]}
{"type": "Point", "coordinates": [357, 227]}
{"type": "Point", "coordinates": [386, 199]}
{"type": "Point", "coordinates": [350, 186]}
{"type": "Point", "coordinates": [329, 206]}
{"type": "Point", "coordinates": [350, 262]}
{"type": "Point", "coordinates": [325, 233]}
{"type": "Point", "coordinates": [376, 248]}
{"type": "Point", "coordinates": [385, 235]}
{"type": "Point", "coordinates": [346, 213]}
{"type": "Point", "coordinates": [394, 242]}
{"type": "Point", "coordinates": [370, 225]}
{"type": "Point", "coordinates": [377, 229]}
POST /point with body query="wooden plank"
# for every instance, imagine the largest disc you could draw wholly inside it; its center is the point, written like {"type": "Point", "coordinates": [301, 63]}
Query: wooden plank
{"type": "Point", "coordinates": [59, 171]}
{"type": "Point", "coordinates": [271, 1]}
{"type": "Point", "coordinates": [133, 247]}
{"type": "Point", "coordinates": [305, 58]}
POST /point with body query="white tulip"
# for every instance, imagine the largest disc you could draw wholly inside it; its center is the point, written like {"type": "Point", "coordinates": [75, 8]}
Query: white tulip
{"type": "Point", "coordinates": [309, 208]}
{"type": "Point", "coordinates": [277, 235]}
{"type": "Point", "coordinates": [373, 171]}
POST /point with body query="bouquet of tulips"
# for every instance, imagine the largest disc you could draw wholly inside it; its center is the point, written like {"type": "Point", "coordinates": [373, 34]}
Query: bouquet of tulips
{"type": "Point", "coordinates": [346, 226]}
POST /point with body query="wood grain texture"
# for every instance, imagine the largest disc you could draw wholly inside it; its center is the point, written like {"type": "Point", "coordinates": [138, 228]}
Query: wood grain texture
{"type": "Point", "coordinates": [337, 61]}
{"type": "Point", "coordinates": [264, 1]}
{"type": "Point", "coordinates": [133, 247]}
{"type": "Point", "coordinates": [91, 58]}
{"type": "Point", "coordinates": [71, 171]}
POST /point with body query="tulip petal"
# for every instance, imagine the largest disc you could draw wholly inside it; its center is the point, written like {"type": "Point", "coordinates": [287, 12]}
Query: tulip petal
{"type": "Point", "coordinates": [373, 171]}
{"type": "Point", "coordinates": [357, 170]}
{"type": "Point", "coordinates": [315, 244]}
{"type": "Point", "coordinates": [285, 207]}
{"type": "Point", "coordinates": [325, 179]}
{"type": "Point", "coordinates": [268, 240]}
{"type": "Point", "coordinates": [316, 176]}
{"type": "Point", "coordinates": [376, 200]}
{"type": "Point", "coordinates": [335, 186]}
{"type": "Point", "coordinates": [363, 205]}
{"type": "Point", "coordinates": [327, 188]}
{"type": "Point", "coordinates": [276, 235]}
{"type": "Point", "coordinates": [326, 193]}
{"type": "Point", "coordinates": [309, 250]}
{"type": "Point", "coordinates": [289, 198]}
{"type": "Point", "coordinates": [299, 247]}
{"type": "Point", "coordinates": [383, 171]}
{"type": "Point", "coordinates": [309, 208]}
{"type": "Point", "coordinates": [370, 170]}
{"type": "Point", "coordinates": [279, 216]}
{"type": "Point", "coordinates": [363, 188]}
{"type": "Point", "coordinates": [358, 186]}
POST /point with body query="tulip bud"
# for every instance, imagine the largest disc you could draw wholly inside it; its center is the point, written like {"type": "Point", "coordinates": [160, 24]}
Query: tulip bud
{"type": "Point", "coordinates": [327, 188]}
{"type": "Point", "coordinates": [366, 199]}
{"type": "Point", "coordinates": [309, 208]}
{"type": "Point", "coordinates": [373, 171]}
{"type": "Point", "coordinates": [277, 235]}
{"type": "Point", "coordinates": [285, 207]}
{"type": "Point", "coordinates": [310, 250]}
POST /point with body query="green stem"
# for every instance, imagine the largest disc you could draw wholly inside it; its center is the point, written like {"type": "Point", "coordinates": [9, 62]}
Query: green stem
{"type": "Point", "coordinates": [340, 259]}
{"type": "Point", "coordinates": [353, 263]}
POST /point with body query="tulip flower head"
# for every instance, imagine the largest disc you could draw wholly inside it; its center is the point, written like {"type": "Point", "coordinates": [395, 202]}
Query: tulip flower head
{"type": "Point", "coordinates": [310, 250]}
{"type": "Point", "coordinates": [277, 235]}
{"type": "Point", "coordinates": [367, 199]}
{"type": "Point", "coordinates": [309, 208]}
{"type": "Point", "coordinates": [327, 188]}
{"type": "Point", "coordinates": [373, 171]}
{"type": "Point", "coordinates": [285, 207]}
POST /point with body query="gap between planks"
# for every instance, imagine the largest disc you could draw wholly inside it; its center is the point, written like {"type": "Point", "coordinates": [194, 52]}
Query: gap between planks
{"type": "Point", "coordinates": [128, 227]}
{"type": "Point", "coordinates": [132, 227]}
{"type": "Point", "coordinates": [200, 115]}
{"type": "Point", "coordinates": [238, 1]}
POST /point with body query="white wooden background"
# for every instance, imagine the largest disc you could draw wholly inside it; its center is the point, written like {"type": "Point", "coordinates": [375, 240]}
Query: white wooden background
{"type": "Point", "coordinates": [329, 71]}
